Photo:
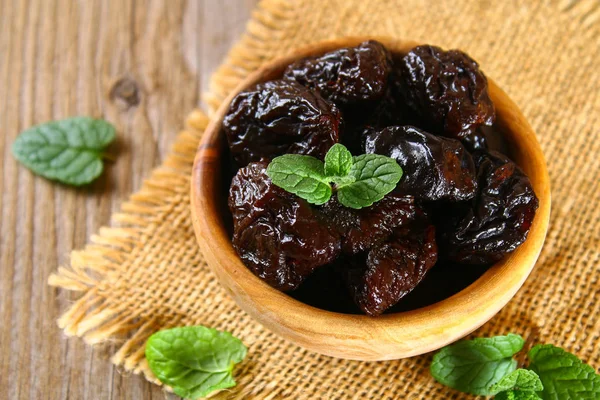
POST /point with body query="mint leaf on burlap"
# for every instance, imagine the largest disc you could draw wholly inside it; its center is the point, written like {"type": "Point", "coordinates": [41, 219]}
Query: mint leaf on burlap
{"type": "Point", "coordinates": [472, 366]}
{"type": "Point", "coordinates": [563, 374]}
{"type": "Point", "coordinates": [194, 360]}
{"type": "Point", "coordinates": [522, 379]}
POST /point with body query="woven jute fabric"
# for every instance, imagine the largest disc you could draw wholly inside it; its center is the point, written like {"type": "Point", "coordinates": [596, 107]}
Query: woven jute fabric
{"type": "Point", "coordinates": [145, 272]}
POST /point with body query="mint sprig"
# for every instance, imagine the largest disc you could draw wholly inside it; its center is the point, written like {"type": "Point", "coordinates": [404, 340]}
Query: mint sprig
{"type": "Point", "coordinates": [472, 366]}
{"type": "Point", "coordinates": [69, 151]}
{"type": "Point", "coordinates": [522, 379]}
{"type": "Point", "coordinates": [553, 373]}
{"type": "Point", "coordinates": [563, 375]}
{"type": "Point", "coordinates": [194, 360]}
{"type": "Point", "coordinates": [358, 181]}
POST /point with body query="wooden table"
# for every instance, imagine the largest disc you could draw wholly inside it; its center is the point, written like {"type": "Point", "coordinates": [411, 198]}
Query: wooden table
{"type": "Point", "coordinates": [141, 64]}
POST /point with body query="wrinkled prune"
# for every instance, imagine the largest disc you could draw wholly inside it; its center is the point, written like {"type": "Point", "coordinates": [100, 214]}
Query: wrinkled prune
{"type": "Point", "coordinates": [447, 90]}
{"type": "Point", "coordinates": [361, 229]}
{"type": "Point", "coordinates": [280, 117]}
{"type": "Point", "coordinates": [475, 141]}
{"type": "Point", "coordinates": [359, 122]}
{"type": "Point", "coordinates": [276, 234]}
{"type": "Point", "coordinates": [392, 268]}
{"type": "Point", "coordinates": [346, 76]}
{"type": "Point", "coordinates": [497, 220]}
{"type": "Point", "coordinates": [435, 168]}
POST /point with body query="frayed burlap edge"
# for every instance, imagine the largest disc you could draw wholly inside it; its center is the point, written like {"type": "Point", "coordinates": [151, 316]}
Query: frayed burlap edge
{"type": "Point", "coordinates": [91, 317]}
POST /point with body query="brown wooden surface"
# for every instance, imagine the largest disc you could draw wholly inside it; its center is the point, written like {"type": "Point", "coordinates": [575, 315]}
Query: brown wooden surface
{"type": "Point", "coordinates": [60, 58]}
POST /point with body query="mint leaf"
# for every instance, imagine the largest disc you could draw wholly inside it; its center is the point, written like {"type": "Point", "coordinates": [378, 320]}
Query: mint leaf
{"type": "Point", "coordinates": [338, 161]}
{"type": "Point", "coordinates": [69, 151]}
{"type": "Point", "coordinates": [374, 177]}
{"type": "Point", "coordinates": [472, 366]}
{"type": "Point", "coordinates": [522, 379]}
{"type": "Point", "coordinates": [194, 360]}
{"type": "Point", "coordinates": [517, 395]}
{"type": "Point", "coordinates": [301, 175]}
{"type": "Point", "coordinates": [563, 375]}
{"type": "Point", "coordinates": [360, 181]}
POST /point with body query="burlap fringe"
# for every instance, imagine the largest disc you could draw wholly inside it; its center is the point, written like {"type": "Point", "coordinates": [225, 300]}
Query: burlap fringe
{"type": "Point", "coordinates": [91, 317]}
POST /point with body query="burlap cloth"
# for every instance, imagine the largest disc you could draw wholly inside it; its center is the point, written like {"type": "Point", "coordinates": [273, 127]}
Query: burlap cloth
{"type": "Point", "coordinates": [146, 272]}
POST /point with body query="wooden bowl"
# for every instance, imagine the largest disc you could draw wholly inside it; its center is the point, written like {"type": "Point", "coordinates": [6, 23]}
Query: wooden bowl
{"type": "Point", "coordinates": [390, 336]}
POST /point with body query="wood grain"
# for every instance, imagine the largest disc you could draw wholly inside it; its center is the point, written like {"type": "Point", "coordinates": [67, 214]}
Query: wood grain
{"type": "Point", "coordinates": [139, 64]}
{"type": "Point", "coordinates": [360, 337]}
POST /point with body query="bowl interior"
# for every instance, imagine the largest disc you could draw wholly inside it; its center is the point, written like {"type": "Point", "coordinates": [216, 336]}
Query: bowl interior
{"type": "Point", "coordinates": [430, 324]}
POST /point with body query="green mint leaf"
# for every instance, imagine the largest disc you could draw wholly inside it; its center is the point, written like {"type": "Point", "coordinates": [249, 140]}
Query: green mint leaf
{"type": "Point", "coordinates": [301, 175]}
{"type": "Point", "coordinates": [338, 161]}
{"type": "Point", "coordinates": [472, 366]}
{"type": "Point", "coordinates": [517, 395]}
{"type": "Point", "coordinates": [68, 151]}
{"type": "Point", "coordinates": [194, 360]}
{"type": "Point", "coordinates": [522, 379]}
{"type": "Point", "coordinates": [374, 177]}
{"type": "Point", "coordinates": [563, 375]}
{"type": "Point", "coordinates": [341, 181]}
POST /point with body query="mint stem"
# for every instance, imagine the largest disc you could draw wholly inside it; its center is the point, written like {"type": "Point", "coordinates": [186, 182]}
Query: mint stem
{"type": "Point", "coordinates": [108, 157]}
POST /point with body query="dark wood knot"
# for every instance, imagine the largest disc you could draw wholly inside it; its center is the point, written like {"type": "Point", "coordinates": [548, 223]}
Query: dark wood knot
{"type": "Point", "coordinates": [125, 93]}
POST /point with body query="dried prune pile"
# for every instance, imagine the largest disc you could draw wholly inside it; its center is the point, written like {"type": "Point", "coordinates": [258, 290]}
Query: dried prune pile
{"type": "Point", "coordinates": [458, 205]}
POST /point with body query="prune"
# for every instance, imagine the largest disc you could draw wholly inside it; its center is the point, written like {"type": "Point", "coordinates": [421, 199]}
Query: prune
{"type": "Point", "coordinates": [447, 90]}
{"type": "Point", "coordinates": [392, 268]}
{"type": "Point", "coordinates": [279, 117]}
{"type": "Point", "coordinates": [475, 141]}
{"type": "Point", "coordinates": [346, 76]}
{"type": "Point", "coordinates": [435, 168]}
{"type": "Point", "coordinates": [361, 229]}
{"type": "Point", "coordinates": [497, 220]}
{"type": "Point", "coordinates": [278, 236]}
{"type": "Point", "coordinates": [360, 121]}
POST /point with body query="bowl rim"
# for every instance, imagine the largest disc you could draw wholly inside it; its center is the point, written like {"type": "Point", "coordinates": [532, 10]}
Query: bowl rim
{"type": "Point", "coordinates": [389, 336]}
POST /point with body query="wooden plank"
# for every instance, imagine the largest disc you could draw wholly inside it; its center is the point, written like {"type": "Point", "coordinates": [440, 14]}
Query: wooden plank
{"type": "Point", "coordinates": [60, 58]}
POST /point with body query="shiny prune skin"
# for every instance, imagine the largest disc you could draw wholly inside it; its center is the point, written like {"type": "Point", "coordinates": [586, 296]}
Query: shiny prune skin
{"type": "Point", "coordinates": [475, 141]}
{"type": "Point", "coordinates": [359, 122]}
{"type": "Point", "coordinates": [346, 76]}
{"type": "Point", "coordinates": [497, 220]}
{"type": "Point", "coordinates": [363, 228]}
{"type": "Point", "coordinates": [278, 236]}
{"type": "Point", "coordinates": [435, 167]}
{"type": "Point", "coordinates": [447, 90]}
{"type": "Point", "coordinates": [280, 117]}
{"type": "Point", "coordinates": [393, 268]}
